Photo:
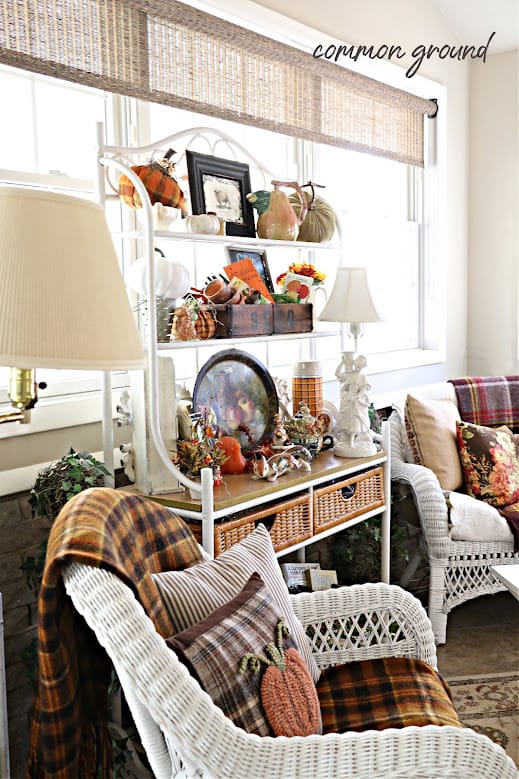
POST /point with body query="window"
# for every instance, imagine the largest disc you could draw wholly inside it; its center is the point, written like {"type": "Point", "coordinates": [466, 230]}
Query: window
{"type": "Point", "coordinates": [379, 205]}
{"type": "Point", "coordinates": [378, 202]}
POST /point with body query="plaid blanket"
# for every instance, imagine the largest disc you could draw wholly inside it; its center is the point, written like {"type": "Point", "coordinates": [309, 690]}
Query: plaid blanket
{"type": "Point", "coordinates": [390, 692]}
{"type": "Point", "coordinates": [489, 400]}
{"type": "Point", "coordinates": [133, 537]}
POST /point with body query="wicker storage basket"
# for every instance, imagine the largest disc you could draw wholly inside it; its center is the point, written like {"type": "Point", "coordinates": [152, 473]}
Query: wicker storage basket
{"type": "Point", "coordinates": [347, 499]}
{"type": "Point", "coordinates": [288, 522]}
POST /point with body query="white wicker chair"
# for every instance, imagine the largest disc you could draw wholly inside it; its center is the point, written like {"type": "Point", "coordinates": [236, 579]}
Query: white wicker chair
{"type": "Point", "coordinates": [186, 735]}
{"type": "Point", "coordinates": [459, 570]}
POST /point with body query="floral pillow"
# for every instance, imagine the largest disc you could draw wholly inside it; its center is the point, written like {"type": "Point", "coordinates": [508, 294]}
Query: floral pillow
{"type": "Point", "coordinates": [490, 462]}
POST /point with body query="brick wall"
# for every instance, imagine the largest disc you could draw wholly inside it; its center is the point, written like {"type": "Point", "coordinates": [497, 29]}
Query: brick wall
{"type": "Point", "coordinates": [20, 537]}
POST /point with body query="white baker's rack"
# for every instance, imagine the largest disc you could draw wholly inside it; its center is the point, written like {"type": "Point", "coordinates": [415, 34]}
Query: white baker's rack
{"type": "Point", "coordinates": [121, 159]}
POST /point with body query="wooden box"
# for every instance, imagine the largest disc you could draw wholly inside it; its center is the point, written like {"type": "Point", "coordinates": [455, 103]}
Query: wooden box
{"type": "Point", "coordinates": [293, 318]}
{"type": "Point", "coordinates": [243, 320]}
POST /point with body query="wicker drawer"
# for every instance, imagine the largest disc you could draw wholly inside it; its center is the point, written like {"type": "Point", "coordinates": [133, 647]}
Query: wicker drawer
{"type": "Point", "coordinates": [288, 522]}
{"type": "Point", "coordinates": [346, 499]}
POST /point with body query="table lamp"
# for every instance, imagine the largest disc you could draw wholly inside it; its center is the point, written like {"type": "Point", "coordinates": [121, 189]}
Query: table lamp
{"type": "Point", "coordinates": [63, 302]}
{"type": "Point", "coordinates": [351, 302]}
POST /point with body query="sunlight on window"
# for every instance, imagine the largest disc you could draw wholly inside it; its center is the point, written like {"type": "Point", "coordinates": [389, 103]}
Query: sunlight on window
{"type": "Point", "coordinates": [375, 200]}
{"type": "Point", "coordinates": [17, 147]}
{"type": "Point", "coordinates": [52, 129]}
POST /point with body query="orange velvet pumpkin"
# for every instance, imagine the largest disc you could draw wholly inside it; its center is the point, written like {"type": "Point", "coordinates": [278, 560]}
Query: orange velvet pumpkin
{"type": "Point", "coordinates": [236, 462]}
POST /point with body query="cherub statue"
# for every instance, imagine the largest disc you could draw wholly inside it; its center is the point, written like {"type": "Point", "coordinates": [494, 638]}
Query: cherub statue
{"type": "Point", "coordinates": [353, 434]}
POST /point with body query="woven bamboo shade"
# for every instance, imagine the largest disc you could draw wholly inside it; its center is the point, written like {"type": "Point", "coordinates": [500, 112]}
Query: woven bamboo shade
{"type": "Point", "coordinates": [168, 52]}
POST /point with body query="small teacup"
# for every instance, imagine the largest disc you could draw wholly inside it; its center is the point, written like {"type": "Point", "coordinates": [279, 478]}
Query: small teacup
{"type": "Point", "coordinates": [218, 291]}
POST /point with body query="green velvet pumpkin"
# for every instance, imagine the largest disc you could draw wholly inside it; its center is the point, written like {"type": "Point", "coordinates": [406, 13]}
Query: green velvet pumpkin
{"type": "Point", "coordinates": [319, 223]}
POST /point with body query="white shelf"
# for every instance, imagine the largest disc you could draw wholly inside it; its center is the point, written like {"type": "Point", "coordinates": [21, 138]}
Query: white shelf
{"type": "Point", "coordinates": [166, 347]}
{"type": "Point", "coordinates": [230, 240]}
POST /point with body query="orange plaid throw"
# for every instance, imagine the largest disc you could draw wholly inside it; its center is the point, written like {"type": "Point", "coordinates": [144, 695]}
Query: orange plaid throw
{"type": "Point", "coordinates": [133, 537]}
{"type": "Point", "coordinates": [389, 692]}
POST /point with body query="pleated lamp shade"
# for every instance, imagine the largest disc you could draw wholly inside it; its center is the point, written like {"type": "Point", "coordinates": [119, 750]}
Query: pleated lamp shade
{"type": "Point", "coordinates": [63, 303]}
{"type": "Point", "coordinates": [351, 299]}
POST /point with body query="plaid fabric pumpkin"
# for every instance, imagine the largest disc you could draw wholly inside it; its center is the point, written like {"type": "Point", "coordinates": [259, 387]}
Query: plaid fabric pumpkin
{"type": "Point", "coordinates": [189, 324]}
{"type": "Point", "coordinates": [205, 324]}
{"type": "Point", "coordinates": [161, 186]}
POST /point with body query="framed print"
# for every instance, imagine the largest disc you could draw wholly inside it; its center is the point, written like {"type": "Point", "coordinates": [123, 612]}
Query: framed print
{"type": "Point", "coordinates": [239, 394]}
{"type": "Point", "coordinates": [258, 259]}
{"type": "Point", "coordinates": [220, 185]}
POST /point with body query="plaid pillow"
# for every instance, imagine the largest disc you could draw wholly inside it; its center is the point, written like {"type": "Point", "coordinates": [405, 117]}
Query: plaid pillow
{"type": "Point", "coordinates": [192, 594]}
{"type": "Point", "coordinates": [490, 461]}
{"type": "Point", "coordinates": [214, 649]}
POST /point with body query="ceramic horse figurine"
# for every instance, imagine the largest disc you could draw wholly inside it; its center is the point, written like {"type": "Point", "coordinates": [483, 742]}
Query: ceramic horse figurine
{"type": "Point", "coordinates": [293, 458]}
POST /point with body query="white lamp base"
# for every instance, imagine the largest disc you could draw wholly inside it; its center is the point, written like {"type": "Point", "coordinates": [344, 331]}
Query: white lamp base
{"type": "Point", "coordinates": [360, 449]}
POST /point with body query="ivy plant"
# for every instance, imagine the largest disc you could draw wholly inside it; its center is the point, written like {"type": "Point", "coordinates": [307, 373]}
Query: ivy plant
{"type": "Point", "coordinates": [63, 479]}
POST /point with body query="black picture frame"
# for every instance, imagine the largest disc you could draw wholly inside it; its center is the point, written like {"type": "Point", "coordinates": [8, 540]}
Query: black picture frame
{"type": "Point", "coordinates": [232, 178]}
{"type": "Point", "coordinates": [258, 258]}
{"type": "Point", "coordinates": [237, 389]}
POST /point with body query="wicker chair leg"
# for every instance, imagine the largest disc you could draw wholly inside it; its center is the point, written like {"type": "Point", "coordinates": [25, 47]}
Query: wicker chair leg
{"type": "Point", "coordinates": [439, 626]}
{"type": "Point", "coordinates": [411, 568]}
{"type": "Point", "coordinates": [437, 613]}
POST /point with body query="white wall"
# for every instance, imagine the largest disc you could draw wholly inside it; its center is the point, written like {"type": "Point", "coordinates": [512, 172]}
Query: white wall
{"type": "Point", "coordinates": [409, 23]}
{"type": "Point", "coordinates": [494, 216]}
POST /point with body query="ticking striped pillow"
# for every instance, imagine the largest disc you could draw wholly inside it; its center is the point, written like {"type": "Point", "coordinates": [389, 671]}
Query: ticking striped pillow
{"type": "Point", "coordinates": [192, 594]}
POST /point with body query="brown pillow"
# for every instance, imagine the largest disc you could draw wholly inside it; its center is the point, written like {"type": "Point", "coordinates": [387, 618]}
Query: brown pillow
{"type": "Point", "coordinates": [490, 460]}
{"type": "Point", "coordinates": [431, 430]}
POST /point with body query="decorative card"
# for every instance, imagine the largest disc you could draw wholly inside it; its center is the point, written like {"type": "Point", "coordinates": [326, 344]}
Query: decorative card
{"type": "Point", "coordinates": [245, 270]}
{"type": "Point", "coordinates": [298, 287]}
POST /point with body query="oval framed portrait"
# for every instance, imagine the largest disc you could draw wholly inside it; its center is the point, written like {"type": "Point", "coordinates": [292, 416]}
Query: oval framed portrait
{"type": "Point", "coordinates": [239, 395]}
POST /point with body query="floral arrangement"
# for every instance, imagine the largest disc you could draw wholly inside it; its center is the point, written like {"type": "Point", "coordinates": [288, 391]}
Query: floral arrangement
{"type": "Point", "coordinates": [202, 450]}
{"type": "Point", "coordinates": [302, 269]}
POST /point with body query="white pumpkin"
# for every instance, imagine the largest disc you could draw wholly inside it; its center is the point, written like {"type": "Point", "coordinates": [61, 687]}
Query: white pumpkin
{"type": "Point", "coordinates": [171, 277]}
{"type": "Point", "coordinates": [207, 224]}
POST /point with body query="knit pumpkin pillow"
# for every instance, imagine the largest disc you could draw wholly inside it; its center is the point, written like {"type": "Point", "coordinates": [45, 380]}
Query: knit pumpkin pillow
{"type": "Point", "coordinates": [192, 594]}
{"type": "Point", "coordinates": [490, 461]}
{"type": "Point", "coordinates": [219, 650]}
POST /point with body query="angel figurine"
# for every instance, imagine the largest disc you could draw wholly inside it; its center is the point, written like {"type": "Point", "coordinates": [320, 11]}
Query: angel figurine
{"type": "Point", "coordinates": [353, 434]}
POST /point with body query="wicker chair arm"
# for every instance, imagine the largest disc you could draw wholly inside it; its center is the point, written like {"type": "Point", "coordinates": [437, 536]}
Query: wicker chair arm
{"type": "Point", "coordinates": [429, 498]}
{"type": "Point", "coordinates": [365, 621]}
{"type": "Point", "coordinates": [210, 745]}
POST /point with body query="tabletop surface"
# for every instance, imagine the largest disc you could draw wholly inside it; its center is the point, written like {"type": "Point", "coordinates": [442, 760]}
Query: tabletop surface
{"type": "Point", "coordinates": [509, 575]}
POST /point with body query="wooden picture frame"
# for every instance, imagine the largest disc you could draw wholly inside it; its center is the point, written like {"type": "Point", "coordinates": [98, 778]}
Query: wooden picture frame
{"type": "Point", "coordinates": [258, 258]}
{"type": "Point", "coordinates": [220, 185]}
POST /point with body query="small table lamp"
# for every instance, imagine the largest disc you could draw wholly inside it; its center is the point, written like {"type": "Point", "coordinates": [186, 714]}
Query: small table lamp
{"type": "Point", "coordinates": [63, 302]}
{"type": "Point", "coordinates": [351, 302]}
